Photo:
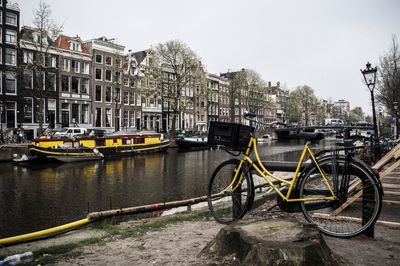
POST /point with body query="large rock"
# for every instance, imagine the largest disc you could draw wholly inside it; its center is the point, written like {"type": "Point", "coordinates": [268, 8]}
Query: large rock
{"type": "Point", "coordinates": [271, 242]}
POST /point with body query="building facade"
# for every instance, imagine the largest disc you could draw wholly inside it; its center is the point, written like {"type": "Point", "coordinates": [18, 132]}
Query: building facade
{"type": "Point", "coordinates": [10, 100]}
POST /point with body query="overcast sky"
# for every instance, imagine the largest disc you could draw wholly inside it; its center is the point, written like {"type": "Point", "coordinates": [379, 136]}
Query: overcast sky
{"type": "Point", "coordinates": [320, 43]}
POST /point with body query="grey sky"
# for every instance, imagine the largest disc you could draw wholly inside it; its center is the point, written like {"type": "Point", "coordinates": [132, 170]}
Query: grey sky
{"type": "Point", "coordinates": [320, 43]}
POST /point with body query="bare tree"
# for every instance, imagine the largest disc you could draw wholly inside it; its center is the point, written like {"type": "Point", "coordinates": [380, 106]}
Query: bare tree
{"type": "Point", "coordinates": [388, 89]}
{"type": "Point", "coordinates": [175, 68]}
{"type": "Point", "coordinates": [39, 40]}
{"type": "Point", "coordinates": [303, 104]}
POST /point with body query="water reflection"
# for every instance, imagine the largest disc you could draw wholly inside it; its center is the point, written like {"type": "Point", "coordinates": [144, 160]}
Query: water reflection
{"type": "Point", "coordinates": [39, 196]}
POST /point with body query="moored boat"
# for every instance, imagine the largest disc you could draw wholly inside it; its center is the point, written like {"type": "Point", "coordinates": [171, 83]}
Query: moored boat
{"type": "Point", "coordinates": [109, 146]}
{"type": "Point", "coordinates": [192, 143]}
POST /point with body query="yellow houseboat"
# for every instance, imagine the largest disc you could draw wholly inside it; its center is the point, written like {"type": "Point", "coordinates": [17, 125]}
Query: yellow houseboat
{"type": "Point", "coordinates": [108, 146]}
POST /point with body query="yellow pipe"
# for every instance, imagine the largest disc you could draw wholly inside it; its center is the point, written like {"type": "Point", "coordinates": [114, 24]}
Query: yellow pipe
{"type": "Point", "coordinates": [57, 229]}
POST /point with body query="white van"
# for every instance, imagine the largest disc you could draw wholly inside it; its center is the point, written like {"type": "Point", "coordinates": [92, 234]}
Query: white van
{"type": "Point", "coordinates": [333, 122]}
{"type": "Point", "coordinates": [72, 132]}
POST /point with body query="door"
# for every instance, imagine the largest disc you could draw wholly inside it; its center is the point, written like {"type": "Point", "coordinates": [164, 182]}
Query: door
{"type": "Point", "coordinates": [65, 118]}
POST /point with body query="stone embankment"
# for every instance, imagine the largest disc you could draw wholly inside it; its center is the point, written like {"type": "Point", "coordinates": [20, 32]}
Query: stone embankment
{"type": "Point", "coordinates": [9, 151]}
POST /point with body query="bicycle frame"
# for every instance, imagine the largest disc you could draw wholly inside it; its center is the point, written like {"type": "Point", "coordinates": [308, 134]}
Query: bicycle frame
{"type": "Point", "coordinates": [266, 175]}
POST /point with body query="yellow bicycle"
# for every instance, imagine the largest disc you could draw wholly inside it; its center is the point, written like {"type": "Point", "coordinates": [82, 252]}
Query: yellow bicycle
{"type": "Point", "coordinates": [338, 193]}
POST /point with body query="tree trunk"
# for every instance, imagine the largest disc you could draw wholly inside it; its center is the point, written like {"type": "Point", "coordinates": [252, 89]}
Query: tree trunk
{"type": "Point", "coordinates": [270, 242]}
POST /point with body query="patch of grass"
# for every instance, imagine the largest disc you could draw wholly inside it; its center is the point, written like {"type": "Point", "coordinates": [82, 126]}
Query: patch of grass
{"type": "Point", "coordinates": [50, 255]}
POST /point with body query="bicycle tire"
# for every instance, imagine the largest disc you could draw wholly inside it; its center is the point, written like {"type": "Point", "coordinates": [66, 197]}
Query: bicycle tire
{"type": "Point", "coordinates": [227, 206]}
{"type": "Point", "coordinates": [359, 216]}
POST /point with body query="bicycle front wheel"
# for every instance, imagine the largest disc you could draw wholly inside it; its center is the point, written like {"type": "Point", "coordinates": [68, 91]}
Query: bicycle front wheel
{"type": "Point", "coordinates": [358, 198]}
{"type": "Point", "coordinates": [228, 199]}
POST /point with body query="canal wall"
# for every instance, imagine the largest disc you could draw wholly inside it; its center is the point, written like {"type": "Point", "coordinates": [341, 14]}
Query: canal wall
{"type": "Point", "coordinates": [9, 151]}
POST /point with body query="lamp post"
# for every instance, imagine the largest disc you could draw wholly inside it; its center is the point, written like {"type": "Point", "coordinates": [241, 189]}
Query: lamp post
{"type": "Point", "coordinates": [369, 74]}
{"type": "Point", "coordinates": [396, 122]}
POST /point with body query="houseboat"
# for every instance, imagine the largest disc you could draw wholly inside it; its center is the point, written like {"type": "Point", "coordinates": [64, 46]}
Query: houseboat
{"type": "Point", "coordinates": [107, 146]}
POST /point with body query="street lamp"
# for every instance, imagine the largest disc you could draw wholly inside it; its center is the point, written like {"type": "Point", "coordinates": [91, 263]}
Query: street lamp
{"type": "Point", "coordinates": [396, 122]}
{"type": "Point", "coordinates": [369, 74]}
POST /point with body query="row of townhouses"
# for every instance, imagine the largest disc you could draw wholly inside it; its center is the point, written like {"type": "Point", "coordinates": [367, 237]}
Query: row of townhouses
{"type": "Point", "coordinates": [66, 81]}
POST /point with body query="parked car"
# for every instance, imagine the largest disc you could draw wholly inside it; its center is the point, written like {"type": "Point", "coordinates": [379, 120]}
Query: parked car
{"type": "Point", "coordinates": [72, 132]}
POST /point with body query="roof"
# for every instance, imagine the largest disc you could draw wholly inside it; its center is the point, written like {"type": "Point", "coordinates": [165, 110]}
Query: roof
{"type": "Point", "coordinates": [63, 42]}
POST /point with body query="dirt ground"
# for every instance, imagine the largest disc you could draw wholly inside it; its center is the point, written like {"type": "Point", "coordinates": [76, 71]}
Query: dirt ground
{"type": "Point", "coordinates": [181, 243]}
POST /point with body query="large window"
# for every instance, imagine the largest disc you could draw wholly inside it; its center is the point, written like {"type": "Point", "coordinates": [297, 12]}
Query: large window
{"type": "Point", "coordinates": [98, 117]}
{"type": "Point", "coordinates": [28, 110]}
{"type": "Point", "coordinates": [11, 56]}
{"type": "Point", "coordinates": [99, 58]}
{"type": "Point", "coordinates": [65, 84]}
{"type": "Point", "coordinates": [75, 85]}
{"type": "Point", "coordinates": [98, 93]}
{"type": "Point", "coordinates": [86, 67]}
{"type": "Point", "coordinates": [126, 97]}
{"type": "Point", "coordinates": [131, 118]}
{"type": "Point", "coordinates": [85, 114]}
{"type": "Point", "coordinates": [84, 85]}
{"type": "Point", "coordinates": [131, 98]}
{"type": "Point", "coordinates": [108, 94]}
{"type": "Point", "coordinates": [40, 80]}
{"type": "Point", "coordinates": [51, 81]}
{"type": "Point", "coordinates": [108, 117]}
{"type": "Point", "coordinates": [108, 60]}
{"type": "Point", "coordinates": [27, 80]}
{"type": "Point", "coordinates": [99, 74]}
{"type": "Point", "coordinates": [11, 83]}
{"type": "Point", "coordinates": [11, 37]}
{"type": "Point", "coordinates": [126, 118]}
{"type": "Point", "coordinates": [76, 66]}
{"type": "Point", "coordinates": [75, 113]}
{"type": "Point", "coordinates": [66, 65]}
{"type": "Point", "coordinates": [108, 75]}
{"type": "Point", "coordinates": [11, 19]}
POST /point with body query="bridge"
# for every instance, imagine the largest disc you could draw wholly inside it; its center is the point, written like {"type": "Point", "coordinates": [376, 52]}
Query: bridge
{"type": "Point", "coordinates": [293, 132]}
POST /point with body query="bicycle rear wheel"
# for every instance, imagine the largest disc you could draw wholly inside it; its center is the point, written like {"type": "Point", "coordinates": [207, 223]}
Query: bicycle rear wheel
{"type": "Point", "coordinates": [358, 198]}
{"type": "Point", "coordinates": [228, 201]}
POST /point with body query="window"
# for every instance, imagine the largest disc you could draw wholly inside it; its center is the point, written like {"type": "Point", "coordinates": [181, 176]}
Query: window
{"type": "Point", "coordinates": [75, 113]}
{"type": "Point", "coordinates": [27, 79]}
{"type": "Point", "coordinates": [28, 57]}
{"type": "Point", "coordinates": [84, 86]}
{"type": "Point", "coordinates": [132, 118]}
{"type": "Point", "coordinates": [108, 117]}
{"type": "Point", "coordinates": [108, 94]}
{"type": "Point", "coordinates": [11, 83]}
{"type": "Point", "coordinates": [108, 61]}
{"type": "Point", "coordinates": [66, 65]}
{"type": "Point", "coordinates": [40, 78]}
{"type": "Point", "coordinates": [75, 46]}
{"type": "Point", "coordinates": [11, 37]}
{"type": "Point", "coordinates": [126, 118]}
{"type": "Point", "coordinates": [11, 19]}
{"type": "Point", "coordinates": [99, 58]}
{"type": "Point", "coordinates": [85, 113]}
{"type": "Point", "coordinates": [28, 110]}
{"type": "Point", "coordinates": [132, 98]}
{"type": "Point", "coordinates": [53, 62]}
{"type": "Point", "coordinates": [1, 32]}
{"type": "Point", "coordinates": [98, 93]}
{"type": "Point", "coordinates": [99, 74]}
{"type": "Point", "coordinates": [86, 67]}
{"type": "Point", "coordinates": [51, 81]}
{"type": "Point", "coordinates": [98, 117]}
{"type": "Point", "coordinates": [126, 97]}
{"type": "Point", "coordinates": [75, 85]}
{"type": "Point", "coordinates": [11, 56]}
{"type": "Point", "coordinates": [118, 62]}
{"type": "Point", "coordinates": [76, 66]}
{"type": "Point", "coordinates": [117, 95]}
{"type": "Point", "coordinates": [118, 77]}
{"type": "Point", "coordinates": [108, 75]}
{"type": "Point", "coordinates": [65, 84]}
{"type": "Point", "coordinates": [1, 87]}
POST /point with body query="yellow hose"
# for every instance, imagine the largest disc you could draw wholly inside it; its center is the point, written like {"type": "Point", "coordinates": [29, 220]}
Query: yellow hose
{"type": "Point", "coordinates": [15, 239]}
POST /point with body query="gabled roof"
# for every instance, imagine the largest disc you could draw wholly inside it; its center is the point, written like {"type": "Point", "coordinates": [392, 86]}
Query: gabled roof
{"type": "Point", "coordinates": [64, 41]}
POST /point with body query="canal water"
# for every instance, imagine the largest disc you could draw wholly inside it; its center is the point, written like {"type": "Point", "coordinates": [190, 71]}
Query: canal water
{"type": "Point", "coordinates": [39, 196]}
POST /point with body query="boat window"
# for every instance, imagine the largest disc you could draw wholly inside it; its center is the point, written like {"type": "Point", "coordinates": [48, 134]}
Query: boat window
{"type": "Point", "coordinates": [115, 141]}
{"type": "Point", "coordinates": [126, 141]}
{"type": "Point", "coordinates": [138, 140]}
{"type": "Point", "coordinates": [100, 142]}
